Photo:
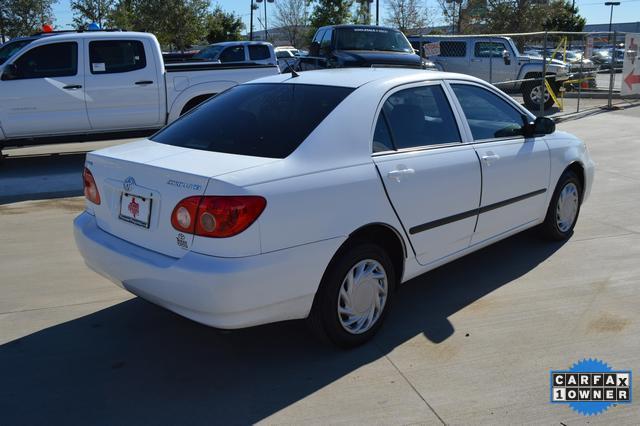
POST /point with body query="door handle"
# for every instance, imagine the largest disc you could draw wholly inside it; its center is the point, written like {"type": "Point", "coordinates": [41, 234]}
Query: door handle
{"type": "Point", "coordinates": [143, 82]}
{"type": "Point", "coordinates": [72, 87]}
{"type": "Point", "coordinates": [397, 174]}
{"type": "Point", "coordinates": [489, 158]}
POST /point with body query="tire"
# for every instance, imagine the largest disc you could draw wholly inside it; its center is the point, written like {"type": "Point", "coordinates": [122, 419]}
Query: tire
{"type": "Point", "coordinates": [326, 319]}
{"type": "Point", "coordinates": [558, 225]}
{"type": "Point", "coordinates": [529, 93]}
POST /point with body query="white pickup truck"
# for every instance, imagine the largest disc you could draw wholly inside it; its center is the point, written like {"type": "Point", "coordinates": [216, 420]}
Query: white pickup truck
{"type": "Point", "coordinates": [97, 82]}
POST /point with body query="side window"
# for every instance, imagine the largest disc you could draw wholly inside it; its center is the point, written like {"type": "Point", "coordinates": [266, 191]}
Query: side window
{"type": "Point", "coordinates": [115, 56]}
{"type": "Point", "coordinates": [489, 116]}
{"type": "Point", "coordinates": [326, 41]}
{"type": "Point", "coordinates": [421, 116]}
{"type": "Point", "coordinates": [259, 52]}
{"type": "Point", "coordinates": [51, 60]}
{"type": "Point", "coordinates": [318, 37]}
{"type": "Point", "coordinates": [232, 54]}
{"type": "Point", "coordinates": [489, 49]}
{"type": "Point", "coordinates": [453, 49]}
{"type": "Point", "coordinates": [382, 136]}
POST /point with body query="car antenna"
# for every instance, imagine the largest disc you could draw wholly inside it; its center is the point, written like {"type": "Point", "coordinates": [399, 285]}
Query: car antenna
{"type": "Point", "coordinates": [294, 74]}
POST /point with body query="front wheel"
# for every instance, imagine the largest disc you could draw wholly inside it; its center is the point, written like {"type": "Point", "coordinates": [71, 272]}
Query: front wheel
{"type": "Point", "coordinates": [564, 208]}
{"type": "Point", "coordinates": [354, 296]}
{"type": "Point", "coordinates": [532, 92]}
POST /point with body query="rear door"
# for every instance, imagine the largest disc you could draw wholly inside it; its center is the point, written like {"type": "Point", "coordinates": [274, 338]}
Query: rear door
{"type": "Point", "coordinates": [432, 178]}
{"type": "Point", "coordinates": [122, 85]}
{"type": "Point", "coordinates": [515, 170]}
{"type": "Point", "coordinates": [453, 56]}
{"type": "Point", "coordinates": [46, 96]}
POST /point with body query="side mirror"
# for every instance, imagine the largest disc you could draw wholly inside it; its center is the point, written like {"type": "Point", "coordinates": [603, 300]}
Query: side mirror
{"type": "Point", "coordinates": [541, 126]}
{"type": "Point", "coordinates": [10, 72]}
{"type": "Point", "coordinates": [416, 51]}
{"type": "Point", "coordinates": [507, 57]}
{"type": "Point", "coordinates": [314, 49]}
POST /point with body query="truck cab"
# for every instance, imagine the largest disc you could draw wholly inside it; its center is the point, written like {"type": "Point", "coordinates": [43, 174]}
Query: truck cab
{"type": "Point", "coordinates": [344, 46]}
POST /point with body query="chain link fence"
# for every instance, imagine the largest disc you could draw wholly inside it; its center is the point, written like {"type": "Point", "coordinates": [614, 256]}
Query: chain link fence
{"type": "Point", "coordinates": [583, 70]}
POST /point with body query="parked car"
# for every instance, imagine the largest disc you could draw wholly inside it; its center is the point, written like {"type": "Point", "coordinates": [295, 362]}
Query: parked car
{"type": "Point", "coordinates": [581, 69]}
{"type": "Point", "coordinates": [287, 57]}
{"type": "Point", "coordinates": [388, 173]}
{"type": "Point", "coordinates": [602, 58]}
{"type": "Point", "coordinates": [496, 59]}
{"type": "Point", "coordinates": [236, 52]}
{"type": "Point", "coordinates": [346, 46]}
{"type": "Point", "coordinates": [102, 82]}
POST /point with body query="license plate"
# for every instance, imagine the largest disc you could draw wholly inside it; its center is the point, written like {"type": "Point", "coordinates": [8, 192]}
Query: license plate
{"type": "Point", "coordinates": [135, 209]}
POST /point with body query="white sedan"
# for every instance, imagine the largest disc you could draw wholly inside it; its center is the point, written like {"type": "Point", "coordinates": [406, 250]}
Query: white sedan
{"type": "Point", "coordinates": [382, 175]}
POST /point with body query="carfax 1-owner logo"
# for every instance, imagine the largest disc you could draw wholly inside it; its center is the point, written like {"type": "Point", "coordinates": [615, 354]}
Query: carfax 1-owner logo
{"type": "Point", "coordinates": [590, 387]}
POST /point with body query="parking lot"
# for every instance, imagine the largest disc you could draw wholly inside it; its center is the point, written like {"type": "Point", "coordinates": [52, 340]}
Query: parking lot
{"type": "Point", "coordinates": [469, 343]}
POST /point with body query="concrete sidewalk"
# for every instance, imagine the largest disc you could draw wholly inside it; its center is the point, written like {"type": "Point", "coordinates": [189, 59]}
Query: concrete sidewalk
{"type": "Point", "coordinates": [470, 343]}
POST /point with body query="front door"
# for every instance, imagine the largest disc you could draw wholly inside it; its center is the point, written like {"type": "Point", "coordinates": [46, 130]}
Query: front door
{"type": "Point", "coordinates": [490, 63]}
{"type": "Point", "coordinates": [123, 87]}
{"type": "Point", "coordinates": [432, 179]}
{"type": "Point", "coordinates": [45, 95]}
{"type": "Point", "coordinates": [515, 170]}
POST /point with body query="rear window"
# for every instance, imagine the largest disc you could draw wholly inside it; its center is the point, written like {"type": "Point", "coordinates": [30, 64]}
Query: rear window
{"type": "Point", "coordinates": [261, 120]}
{"type": "Point", "coordinates": [115, 56]}
{"type": "Point", "coordinates": [259, 52]}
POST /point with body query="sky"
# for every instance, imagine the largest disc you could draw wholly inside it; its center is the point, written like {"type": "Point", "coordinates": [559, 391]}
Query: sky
{"type": "Point", "coordinates": [594, 11]}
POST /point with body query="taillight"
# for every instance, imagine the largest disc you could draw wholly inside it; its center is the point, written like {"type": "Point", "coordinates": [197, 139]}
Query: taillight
{"type": "Point", "coordinates": [184, 215]}
{"type": "Point", "coordinates": [90, 188]}
{"type": "Point", "coordinates": [217, 216]}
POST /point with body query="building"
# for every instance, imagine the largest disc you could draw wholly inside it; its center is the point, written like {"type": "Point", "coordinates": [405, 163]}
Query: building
{"type": "Point", "coordinates": [623, 27]}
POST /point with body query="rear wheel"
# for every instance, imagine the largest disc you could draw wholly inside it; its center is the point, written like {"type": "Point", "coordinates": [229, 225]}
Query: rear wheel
{"type": "Point", "coordinates": [564, 208]}
{"type": "Point", "coordinates": [354, 296]}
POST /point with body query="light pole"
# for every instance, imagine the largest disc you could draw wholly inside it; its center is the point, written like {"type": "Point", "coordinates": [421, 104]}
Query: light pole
{"type": "Point", "coordinates": [266, 32]}
{"type": "Point", "coordinates": [377, 12]}
{"type": "Point", "coordinates": [251, 23]}
{"type": "Point", "coordinates": [613, 51]}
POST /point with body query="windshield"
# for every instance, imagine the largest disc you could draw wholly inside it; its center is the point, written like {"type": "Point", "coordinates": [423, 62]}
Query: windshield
{"type": "Point", "coordinates": [249, 119]}
{"type": "Point", "coordinates": [366, 38]}
{"type": "Point", "coordinates": [210, 52]}
{"type": "Point", "coordinates": [9, 48]}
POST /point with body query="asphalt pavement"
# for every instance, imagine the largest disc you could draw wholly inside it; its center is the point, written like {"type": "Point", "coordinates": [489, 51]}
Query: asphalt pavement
{"type": "Point", "coordinates": [472, 342]}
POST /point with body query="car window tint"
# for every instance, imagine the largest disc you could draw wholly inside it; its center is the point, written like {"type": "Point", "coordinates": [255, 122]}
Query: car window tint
{"type": "Point", "coordinates": [9, 48]}
{"type": "Point", "coordinates": [382, 135]}
{"type": "Point", "coordinates": [489, 116]}
{"type": "Point", "coordinates": [421, 116]}
{"type": "Point", "coordinates": [232, 54]}
{"type": "Point", "coordinates": [453, 49]}
{"type": "Point", "coordinates": [326, 40]}
{"type": "Point", "coordinates": [248, 119]}
{"type": "Point", "coordinates": [489, 49]}
{"type": "Point", "coordinates": [51, 60]}
{"type": "Point", "coordinates": [115, 56]}
{"type": "Point", "coordinates": [259, 52]}
{"type": "Point", "coordinates": [318, 37]}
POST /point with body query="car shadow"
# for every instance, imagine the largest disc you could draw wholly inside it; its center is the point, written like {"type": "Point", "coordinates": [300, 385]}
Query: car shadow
{"type": "Point", "coordinates": [134, 363]}
{"type": "Point", "coordinates": [39, 177]}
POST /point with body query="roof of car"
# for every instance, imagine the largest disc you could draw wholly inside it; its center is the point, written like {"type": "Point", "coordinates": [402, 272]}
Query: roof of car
{"type": "Point", "coordinates": [75, 35]}
{"type": "Point", "coordinates": [357, 26]}
{"type": "Point", "coordinates": [356, 77]}
{"type": "Point", "coordinates": [243, 42]}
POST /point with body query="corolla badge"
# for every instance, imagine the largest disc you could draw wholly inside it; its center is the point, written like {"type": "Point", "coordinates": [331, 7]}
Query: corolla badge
{"type": "Point", "coordinates": [129, 183]}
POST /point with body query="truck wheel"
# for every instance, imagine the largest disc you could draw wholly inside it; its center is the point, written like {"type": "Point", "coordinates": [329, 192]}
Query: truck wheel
{"type": "Point", "coordinates": [531, 92]}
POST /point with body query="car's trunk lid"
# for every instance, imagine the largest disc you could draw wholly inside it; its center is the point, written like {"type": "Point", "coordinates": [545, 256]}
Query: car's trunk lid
{"type": "Point", "coordinates": [147, 174]}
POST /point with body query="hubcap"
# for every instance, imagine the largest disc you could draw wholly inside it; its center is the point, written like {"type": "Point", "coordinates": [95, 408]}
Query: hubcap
{"type": "Point", "coordinates": [535, 94]}
{"type": "Point", "coordinates": [567, 207]}
{"type": "Point", "coordinates": [362, 297]}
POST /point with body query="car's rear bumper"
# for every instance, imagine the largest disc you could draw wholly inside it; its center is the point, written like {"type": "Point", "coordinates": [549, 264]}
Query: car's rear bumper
{"type": "Point", "coordinates": [220, 292]}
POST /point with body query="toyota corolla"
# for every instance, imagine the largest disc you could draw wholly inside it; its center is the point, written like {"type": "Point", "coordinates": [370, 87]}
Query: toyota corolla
{"type": "Point", "coordinates": [380, 176]}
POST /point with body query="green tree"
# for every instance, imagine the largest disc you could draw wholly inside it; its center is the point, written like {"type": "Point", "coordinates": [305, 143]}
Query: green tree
{"type": "Point", "coordinates": [88, 11]}
{"type": "Point", "coordinates": [513, 16]}
{"type": "Point", "coordinates": [407, 15]}
{"type": "Point", "coordinates": [223, 26]}
{"type": "Point", "coordinates": [23, 17]}
{"type": "Point", "coordinates": [330, 12]}
{"type": "Point", "coordinates": [561, 16]}
{"type": "Point", "coordinates": [363, 12]}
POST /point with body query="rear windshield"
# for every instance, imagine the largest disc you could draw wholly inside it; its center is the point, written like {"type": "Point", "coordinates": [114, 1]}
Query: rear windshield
{"type": "Point", "coordinates": [261, 120]}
